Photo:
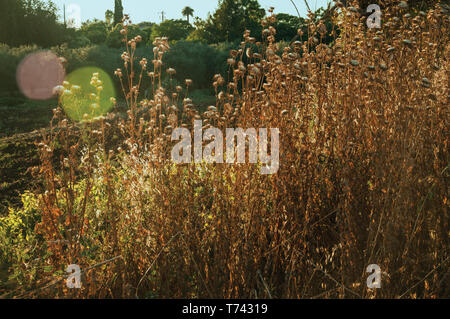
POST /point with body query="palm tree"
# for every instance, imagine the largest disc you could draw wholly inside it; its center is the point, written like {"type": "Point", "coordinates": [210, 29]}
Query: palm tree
{"type": "Point", "coordinates": [187, 12]}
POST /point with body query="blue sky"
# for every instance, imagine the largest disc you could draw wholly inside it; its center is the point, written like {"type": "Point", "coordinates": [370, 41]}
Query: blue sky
{"type": "Point", "coordinates": [150, 10]}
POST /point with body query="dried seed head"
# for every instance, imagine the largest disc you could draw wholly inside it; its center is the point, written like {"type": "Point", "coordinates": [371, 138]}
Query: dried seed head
{"type": "Point", "coordinates": [390, 49]}
{"type": "Point", "coordinates": [383, 66]}
{"type": "Point", "coordinates": [403, 4]}
{"type": "Point", "coordinates": [406, 42]}
{"type": "Point", "coordinates": [58, 90]}
{"type": "Point", "coordinates": [118, 73]}
{"type": "Point", "coordinates": [248, 53]}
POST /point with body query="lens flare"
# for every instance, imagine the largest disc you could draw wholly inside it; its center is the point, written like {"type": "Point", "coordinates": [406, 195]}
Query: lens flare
{"type": "Point", "coordinates": [38, 74]}
{"type": "Point", "coordinates": [88, 93]}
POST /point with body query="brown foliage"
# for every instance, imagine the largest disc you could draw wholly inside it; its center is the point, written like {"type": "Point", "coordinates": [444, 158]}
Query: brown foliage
{"type": "Point", "coordinates": [363, 174]}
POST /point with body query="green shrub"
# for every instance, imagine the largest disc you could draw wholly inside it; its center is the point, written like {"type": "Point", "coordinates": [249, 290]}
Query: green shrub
{"type": "Point", "coordinates": [9, 60]}
{"type": "Point", "coordinates": [79, 41]}
{"type": "Point", "coordinates": [191, 59]}
{"type": "Point", "coordinates": [197, 61]}
{"type": "Point", "coordinates": [19, 244]}
{"type": "Point", "coordinates": [95, 31]}
{"type": "Point", "coordinates": [26, 22]}
{"type": "Point", "coordinates": [114, 38]}
{"type": "Point", "coordinates": [173, 29]}
{"type": "Point", "coordinates": [18, 226]}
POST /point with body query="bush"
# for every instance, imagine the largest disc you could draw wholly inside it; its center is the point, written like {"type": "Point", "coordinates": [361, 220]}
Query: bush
{"type": "Point", "coordinates": [191, 59]}
{"type": "Point", "coordinates": [115, 39]}
{"type": "Point", "coordinates": [19, 244]}
{"type": "Point", "coordinates": [9, 60]}
{"type": "Point", "coordinates": [197, 61]}
{"type": "Point", "coordinates": [96, 31]}
{"type": "Point", "coordinates": [31, 22]}
{"type": "Point", "coordinates": [79, 41]}
{"type": "Point", "coordinates": [173, 29]}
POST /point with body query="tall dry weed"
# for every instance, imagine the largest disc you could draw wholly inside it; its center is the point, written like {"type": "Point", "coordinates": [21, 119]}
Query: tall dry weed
{"type": "Point", "coordinates": [363, 175]}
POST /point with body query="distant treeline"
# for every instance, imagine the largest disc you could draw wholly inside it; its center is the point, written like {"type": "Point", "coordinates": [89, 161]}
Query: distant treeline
{"type": "Point", "coordinates": [24, 22]}
{"type": "Point", "coordinates": [36, 22]}
{"type": "Point", "coordinates": [199, 50]}
{"type": "Point", "coordinates": [31, 22]}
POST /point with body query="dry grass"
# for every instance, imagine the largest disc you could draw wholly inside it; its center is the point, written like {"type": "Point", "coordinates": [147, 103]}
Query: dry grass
{"type": "Point", "coordinates": [363, 175]}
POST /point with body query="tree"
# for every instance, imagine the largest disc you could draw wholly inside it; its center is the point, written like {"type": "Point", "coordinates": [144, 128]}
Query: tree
{"type": "Point", "coordinates": [118, 12]}
{"type": "Point", "coordinates": [230, 20]}
{"type": "Point", "coordinates": [145, 25]}
{"type": "Point", "coordinates": [109, 16]}
{"type": "Point", "coordinates": [31, 22]}
{"type": "Point", "coordinates": [287, 26]}
{"type": "Point", "coordinates": [96, 31]}
{"type": "Point", "coordinates": [253, 14]}
{"type": "Point", "coordinates": [204, 31]}
{"type": "Point", "coordinates": [114, 38]}
{"type": "Point", "coordinates": [173, 29]}
{"type": "Point", "coordinates": [187, 12]}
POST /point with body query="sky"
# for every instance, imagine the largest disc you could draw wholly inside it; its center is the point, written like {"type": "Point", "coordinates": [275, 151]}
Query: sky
{"type": "Point", "coordinates": [150, 10]}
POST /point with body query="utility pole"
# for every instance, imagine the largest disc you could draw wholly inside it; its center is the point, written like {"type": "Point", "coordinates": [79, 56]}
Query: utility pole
{"type": "Point", "coordinates": [65, 25]}
{"type": "Point", "coordinates": [163, 16]}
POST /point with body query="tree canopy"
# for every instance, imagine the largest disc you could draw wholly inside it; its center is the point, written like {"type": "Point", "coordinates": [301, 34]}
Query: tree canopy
{"type": "Point", "coordinates": [96, 31]}
{"type": "Point", "coordinates": [114, 38]}
{"type": "Point", "coordinates": [109, 17]}
{"type": "Point", "coordinates": [230, 21]}
{"type": "Point", "coordinates": [173, 29]}
{"type": "Point", "coordinates": [30, 22]}
{"type": "Point", "coordinates": [187, 12]}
